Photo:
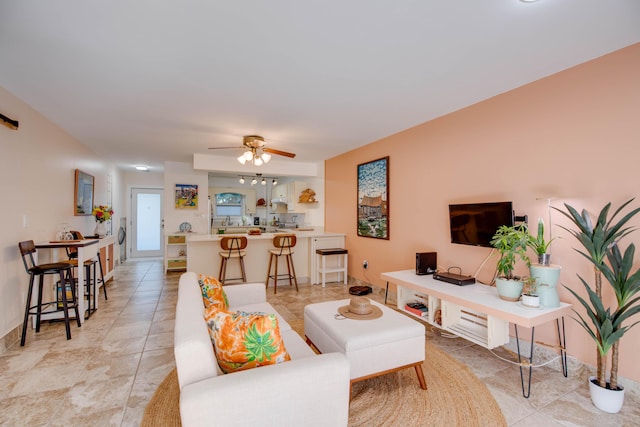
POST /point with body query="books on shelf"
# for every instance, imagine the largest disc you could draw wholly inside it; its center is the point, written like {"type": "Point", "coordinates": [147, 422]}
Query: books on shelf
{"type": "Point", "coordinates": [417, 308]}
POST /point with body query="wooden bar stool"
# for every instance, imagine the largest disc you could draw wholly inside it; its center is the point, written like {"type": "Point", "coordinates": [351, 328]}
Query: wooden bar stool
{"type": "Point", "coordinates": [284, 244]}
{"type": "Point", "coordinates": [321, 258]}
{"type": "Point", "coordinates": [91, 278]}
{"type": "Point", "coordinates": [63, 269]}
{"type": "Point", "coordinates": [73, 253]}
{"type": "Point", "coordinates": [232, 247]}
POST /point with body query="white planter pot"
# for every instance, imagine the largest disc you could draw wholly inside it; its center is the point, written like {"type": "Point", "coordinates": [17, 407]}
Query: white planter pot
{"type": "Point", "coordinates": [509, 290]}
{"type": "Point", "coordinates": [604, 399]}
{"type": "Point", "coordinates": [531, 300]}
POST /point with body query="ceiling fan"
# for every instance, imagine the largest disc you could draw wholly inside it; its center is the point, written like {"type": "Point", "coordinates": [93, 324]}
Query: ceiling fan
{"type": "Point", "coordinates": [255, 150]}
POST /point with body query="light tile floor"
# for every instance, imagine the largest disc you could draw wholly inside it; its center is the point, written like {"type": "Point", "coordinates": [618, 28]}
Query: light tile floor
{"type": "Point", "coordinates": [108, 371]}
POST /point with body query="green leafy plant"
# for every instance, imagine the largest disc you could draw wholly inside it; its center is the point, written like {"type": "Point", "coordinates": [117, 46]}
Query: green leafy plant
{"type": "Point", "coordinates": [600, 242]}
{"type": "Point", "coordinates": [539, 245]}
{"type": "Point", "coordinates": [530, 286]}
{"type": "Point", "coordinates": [511, 242]}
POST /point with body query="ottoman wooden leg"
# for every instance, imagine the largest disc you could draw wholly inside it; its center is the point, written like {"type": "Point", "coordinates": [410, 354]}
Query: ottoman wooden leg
{"type": "Point", "coordinates": [420, 373]}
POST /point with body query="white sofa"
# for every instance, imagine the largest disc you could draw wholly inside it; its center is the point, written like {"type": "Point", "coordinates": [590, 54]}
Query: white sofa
{"type": "Point", "coordinates": [310, 390]}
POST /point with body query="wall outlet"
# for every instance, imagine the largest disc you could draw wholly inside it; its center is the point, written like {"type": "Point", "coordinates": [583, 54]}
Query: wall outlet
{"type": "Point", "coordinates": [365, 264]}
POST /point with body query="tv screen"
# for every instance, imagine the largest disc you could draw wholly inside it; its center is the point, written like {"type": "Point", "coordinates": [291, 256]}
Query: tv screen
{"type": "Point", "coordinates": [476, 223]}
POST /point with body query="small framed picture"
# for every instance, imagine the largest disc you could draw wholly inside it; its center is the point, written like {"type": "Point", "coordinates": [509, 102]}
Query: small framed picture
{"type": "Point", "coordinates": [186, 196]}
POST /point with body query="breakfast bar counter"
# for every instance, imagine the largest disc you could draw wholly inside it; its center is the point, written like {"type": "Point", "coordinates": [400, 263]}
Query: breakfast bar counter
{"type": "Point", "coordinates": [203, 254]}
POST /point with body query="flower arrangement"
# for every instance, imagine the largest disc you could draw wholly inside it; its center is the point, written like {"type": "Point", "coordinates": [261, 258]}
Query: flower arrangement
{"type": "Point", "coordinates": [102, 213]}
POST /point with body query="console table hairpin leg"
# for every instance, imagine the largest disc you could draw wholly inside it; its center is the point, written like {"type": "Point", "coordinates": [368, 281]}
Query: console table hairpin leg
{"type": "Point", "coordinates": [563, 356]}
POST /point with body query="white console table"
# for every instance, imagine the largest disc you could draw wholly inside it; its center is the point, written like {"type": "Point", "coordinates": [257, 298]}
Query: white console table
{"type": "Point", "coordinates": [476, 313]}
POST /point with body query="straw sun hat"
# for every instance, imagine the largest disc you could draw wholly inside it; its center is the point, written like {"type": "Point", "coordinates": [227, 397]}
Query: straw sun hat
{"type": "Point", "coordinates": [360, 308]}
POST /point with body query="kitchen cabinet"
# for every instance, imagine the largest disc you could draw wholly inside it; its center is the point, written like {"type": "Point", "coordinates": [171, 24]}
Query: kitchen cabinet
{"type": "Point", "coordinates": [279, 192]}
{"type": "Point", "coordinates": [250, 202]}
{"type": "Point", "coordinates": [107, 256]}
{"type": "Point", "coordinates": [284, 197]}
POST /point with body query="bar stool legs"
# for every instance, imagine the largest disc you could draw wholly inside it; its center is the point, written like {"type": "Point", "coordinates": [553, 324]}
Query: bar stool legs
{"type": "Point", "coordinates": [29, 309]}
{"type": "Point", "coordinates": [290, 270]}
{"type": "Point", "coordinates": [232, 247]}
{"type": "Point", "coordinates": [284, 244]}
{"type": "Point", "coordinates": [104, 285]}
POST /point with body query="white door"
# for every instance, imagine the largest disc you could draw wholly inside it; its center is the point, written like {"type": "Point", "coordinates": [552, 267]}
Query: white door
{"type": "Point", "coordinates": [146, 222]}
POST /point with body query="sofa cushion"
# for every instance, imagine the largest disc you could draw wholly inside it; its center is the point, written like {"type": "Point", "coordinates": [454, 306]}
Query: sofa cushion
{"type": "Point", "coordinates": [244, 340]}
{"type": "Point", "coordinates": [263, 307]}
{"type": "Point", "coordinates": [212, 292]}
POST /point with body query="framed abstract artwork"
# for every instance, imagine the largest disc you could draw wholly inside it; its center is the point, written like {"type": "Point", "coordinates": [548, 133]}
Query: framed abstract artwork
{"type": "Point", "coordinates": [373, 199]}
{"type": "Point", "coordinates": [186, 196]}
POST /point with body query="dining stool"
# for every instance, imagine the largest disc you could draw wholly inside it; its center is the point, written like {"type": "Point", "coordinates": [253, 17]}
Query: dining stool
{"type": "Point", "coordinates": [63, 269]}
{"type": "Point", "coordinates": [73, 253]}
{"type": "Point", "coordinates": [232, 247]}
{"type": "Point", "coordinates": [91, 278]}
{"type": "Point", "coordinates": [283, 247]}
{"type": "Point", "coordinates": [321, 258]}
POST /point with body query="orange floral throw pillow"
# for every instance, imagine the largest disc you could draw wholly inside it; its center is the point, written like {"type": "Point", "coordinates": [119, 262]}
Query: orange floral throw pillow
{"type": "Point", "coordinates": [212, 292]}
{"type": "Point", "coordinates": [245, 340]}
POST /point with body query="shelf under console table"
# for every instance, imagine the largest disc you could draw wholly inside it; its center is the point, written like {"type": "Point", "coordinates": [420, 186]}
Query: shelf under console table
{"type": "Point", "coordinates": [477, 314]}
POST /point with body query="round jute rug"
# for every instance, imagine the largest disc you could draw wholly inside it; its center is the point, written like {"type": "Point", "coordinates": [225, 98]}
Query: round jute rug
{"type": "Point", "coordinates": [455, 396]}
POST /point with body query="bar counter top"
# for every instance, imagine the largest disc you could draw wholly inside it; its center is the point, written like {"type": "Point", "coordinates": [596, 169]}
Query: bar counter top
{"type": "Point", "coordinates": [203, 253]}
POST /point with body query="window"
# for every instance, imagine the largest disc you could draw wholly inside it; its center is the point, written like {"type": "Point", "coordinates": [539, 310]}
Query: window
{"type": "Point", "coordinates": [229, 204]}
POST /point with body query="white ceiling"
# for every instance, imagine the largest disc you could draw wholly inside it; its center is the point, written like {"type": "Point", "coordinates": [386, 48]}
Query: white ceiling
{"type": "Point", "coordinates": [146, 81]}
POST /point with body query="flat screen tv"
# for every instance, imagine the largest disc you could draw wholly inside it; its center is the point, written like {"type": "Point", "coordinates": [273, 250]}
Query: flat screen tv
{"type": "Point", "coordinates": [476, 223]}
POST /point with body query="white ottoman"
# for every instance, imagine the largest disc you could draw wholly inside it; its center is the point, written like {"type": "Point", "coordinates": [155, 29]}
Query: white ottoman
{"type": "Point", "coordinates": [374, 347]}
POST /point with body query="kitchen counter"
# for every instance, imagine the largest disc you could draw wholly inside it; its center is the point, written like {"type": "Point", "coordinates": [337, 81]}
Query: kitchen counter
{"type": "Point", "coordinates": [302, 234]}
{"type": "Point", "coordinates": [203, 254]}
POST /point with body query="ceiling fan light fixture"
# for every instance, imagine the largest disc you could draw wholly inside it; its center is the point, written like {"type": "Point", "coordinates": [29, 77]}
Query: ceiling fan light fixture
{"type": "Point", "coordinates": [257, 161]}
{"type": "Point", "coordinates": [242, 160]}
{"type": "Point", "coordinates": [265, 157]}
{"type": "Point", "coordinates": [248, 155]}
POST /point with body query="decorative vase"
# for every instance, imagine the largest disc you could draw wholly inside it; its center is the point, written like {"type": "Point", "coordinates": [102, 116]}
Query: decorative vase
{"type": "Point", "coordinates": [546, 281]}
{"type": "Point", "coordinates": [100, 230]}
{"type": "Point", "coordinates": [509, 289]}
{"type": "Point", "coordinates": [606, 399]}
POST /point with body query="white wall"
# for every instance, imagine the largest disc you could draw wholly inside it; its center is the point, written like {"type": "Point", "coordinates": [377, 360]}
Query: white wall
{"type": "Point", "coordinates": [37, 164]}
{"type": "Point", "coordinates": [183, 173]}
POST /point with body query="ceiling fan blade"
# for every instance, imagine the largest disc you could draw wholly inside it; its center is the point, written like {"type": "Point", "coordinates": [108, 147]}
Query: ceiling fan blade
{"type": "Point", "coordinates": [223, 148]}
{"type": "Point", "coordinates": [278, 152]}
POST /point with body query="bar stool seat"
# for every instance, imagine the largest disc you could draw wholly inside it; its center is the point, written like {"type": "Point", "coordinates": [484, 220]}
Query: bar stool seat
{"type": "Point", "coordinates": [323, 270]}
{"type": "Point", "coordinates": [232, 248]}
{"type": "Point", "coordinates": [63, 269]}
{"type": "Point", "coordinates": [284, 244]}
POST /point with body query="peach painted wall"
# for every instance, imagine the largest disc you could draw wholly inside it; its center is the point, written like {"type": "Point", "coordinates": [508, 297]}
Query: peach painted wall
{"type": "Point", "coordinates": [572, 136]}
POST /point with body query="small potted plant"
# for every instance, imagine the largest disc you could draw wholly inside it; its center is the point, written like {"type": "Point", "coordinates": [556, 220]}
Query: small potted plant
{"type": "Point", "coordinates": [545, 274]}
{"type": "Point", "coordinates": [540, 245]}
{"type": "Point", "coordinates": [511, 243]}
{"type": "Point", "coordinates": [530, 297]}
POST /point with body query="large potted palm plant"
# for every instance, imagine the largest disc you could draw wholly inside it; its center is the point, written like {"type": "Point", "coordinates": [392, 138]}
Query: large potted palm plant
{"type": "Point", "coordinates": [511, 244]}
{"type": "Point", "coordinates": [605, 324]}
